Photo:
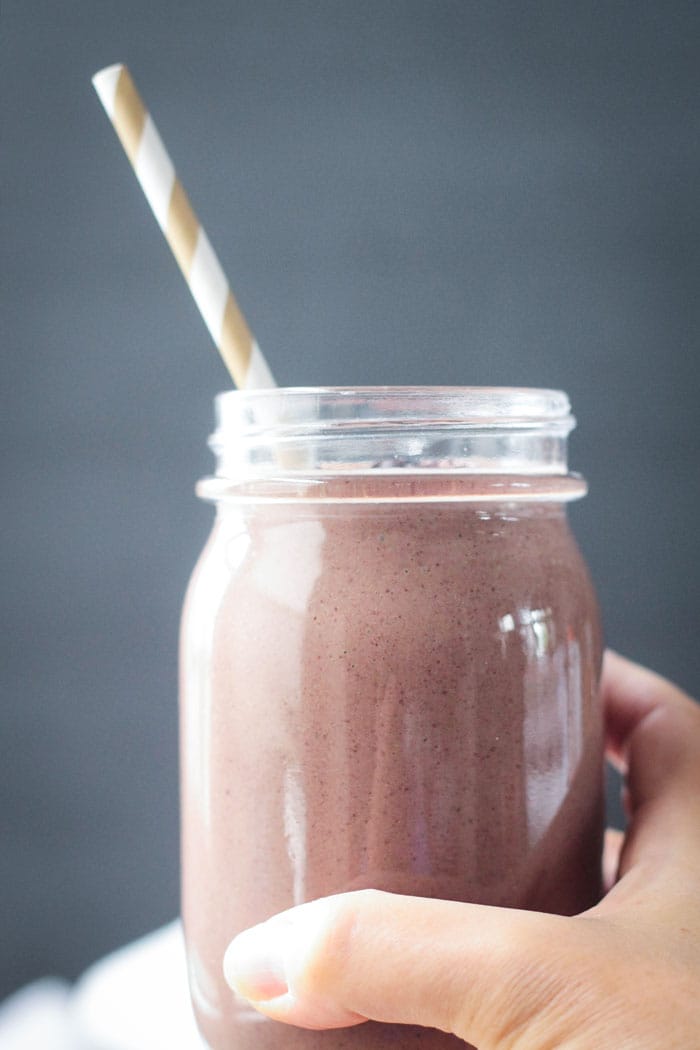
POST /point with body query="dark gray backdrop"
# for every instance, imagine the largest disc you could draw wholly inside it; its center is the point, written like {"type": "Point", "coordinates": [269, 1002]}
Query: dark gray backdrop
{"type": "Point", "coordinates": [402, 192]}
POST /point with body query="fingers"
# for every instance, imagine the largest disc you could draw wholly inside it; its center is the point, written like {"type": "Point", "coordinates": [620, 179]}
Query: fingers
{"type": "Point", "coordinates": [654, 732]}
{"type": "Point", "coordinates": [467, 969]}
{"type": "Point", "coordinates": [485, 973]}
{"type": "Point", "coordinates": [630, 692]}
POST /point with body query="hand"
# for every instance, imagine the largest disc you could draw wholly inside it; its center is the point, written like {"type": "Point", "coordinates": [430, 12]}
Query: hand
{"type": "Point", "coordinates": [625, 974]}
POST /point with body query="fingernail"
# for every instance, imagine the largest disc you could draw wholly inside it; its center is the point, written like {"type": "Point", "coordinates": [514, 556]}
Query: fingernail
{"type": "Point", "coordinates": [254, 962]}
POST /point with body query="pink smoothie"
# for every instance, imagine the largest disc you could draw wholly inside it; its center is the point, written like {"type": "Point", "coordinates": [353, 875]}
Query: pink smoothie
{"type": "Point", "coordinates": [398, 694]}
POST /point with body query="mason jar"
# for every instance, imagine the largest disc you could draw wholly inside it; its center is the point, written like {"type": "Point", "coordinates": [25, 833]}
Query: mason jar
{"type": "Point", "coordinates": [390, 661]}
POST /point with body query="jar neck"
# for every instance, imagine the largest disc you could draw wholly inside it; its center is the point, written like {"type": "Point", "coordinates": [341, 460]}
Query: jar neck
{"type": "Point", "coordinates": [284, 437]}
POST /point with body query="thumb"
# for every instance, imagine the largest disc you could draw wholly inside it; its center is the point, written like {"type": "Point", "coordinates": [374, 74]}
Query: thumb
{"type": "Point", "coordinates": [472, 970]}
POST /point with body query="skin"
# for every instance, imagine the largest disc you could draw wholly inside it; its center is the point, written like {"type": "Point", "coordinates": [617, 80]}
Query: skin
{"type": "Point", "coordinates": [626, 973]}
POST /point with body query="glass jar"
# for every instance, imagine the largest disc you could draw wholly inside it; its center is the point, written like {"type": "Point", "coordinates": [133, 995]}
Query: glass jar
{"type": "Point", "coordinates": [390, 660]}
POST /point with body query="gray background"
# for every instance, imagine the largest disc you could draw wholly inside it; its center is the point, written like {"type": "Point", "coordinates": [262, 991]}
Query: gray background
{"type": "Point", "coordinates": [402, 192]}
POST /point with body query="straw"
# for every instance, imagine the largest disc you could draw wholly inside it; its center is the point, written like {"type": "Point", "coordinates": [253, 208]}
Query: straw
{"type": "Point", "coordinates": [183, 231]}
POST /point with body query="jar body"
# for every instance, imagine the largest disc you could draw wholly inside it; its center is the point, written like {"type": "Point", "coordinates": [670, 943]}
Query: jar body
{"type": "Point", "coordinates": [393, 692]}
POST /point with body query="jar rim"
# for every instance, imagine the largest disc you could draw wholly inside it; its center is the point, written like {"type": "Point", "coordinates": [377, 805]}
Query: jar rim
{"type": "Point", "coordinates": [319, 432]}
{"type": "Point", "coordinates": [476, 405]}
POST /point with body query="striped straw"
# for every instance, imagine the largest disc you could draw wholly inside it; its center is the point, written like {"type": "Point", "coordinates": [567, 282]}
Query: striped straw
{"type": "Point", "coordinates": [183, 231]}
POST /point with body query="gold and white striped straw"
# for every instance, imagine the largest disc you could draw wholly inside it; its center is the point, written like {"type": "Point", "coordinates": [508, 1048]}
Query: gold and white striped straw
{"type": "Point", "coordinates": [183, 231]}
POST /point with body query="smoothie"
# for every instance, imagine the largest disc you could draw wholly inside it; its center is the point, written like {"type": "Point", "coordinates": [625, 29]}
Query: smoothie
{"type": "Point", "coordinates": [384, 684]}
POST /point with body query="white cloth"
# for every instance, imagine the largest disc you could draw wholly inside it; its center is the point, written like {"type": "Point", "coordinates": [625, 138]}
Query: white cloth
{"type": "Point", "coordinates": [134, 999]}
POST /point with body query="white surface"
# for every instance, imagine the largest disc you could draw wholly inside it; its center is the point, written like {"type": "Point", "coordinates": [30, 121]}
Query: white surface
{"type": "Point", "coordinates": [105, 84]}
{"type": "Point", "coordinates": [259, 375]}
{"type": "Point", "coordinates": [37, 1018]}
{"type": "Point", "coordinates": [208, 285]}
{"type": "Point", "coordinates": [134, 999]}
{"type": "Point", "coordinates": [155, 172]}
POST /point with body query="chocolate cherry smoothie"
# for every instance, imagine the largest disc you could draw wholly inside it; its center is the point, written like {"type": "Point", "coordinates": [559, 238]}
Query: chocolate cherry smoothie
{"type": "Point", "coordinates": [389, 680]}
